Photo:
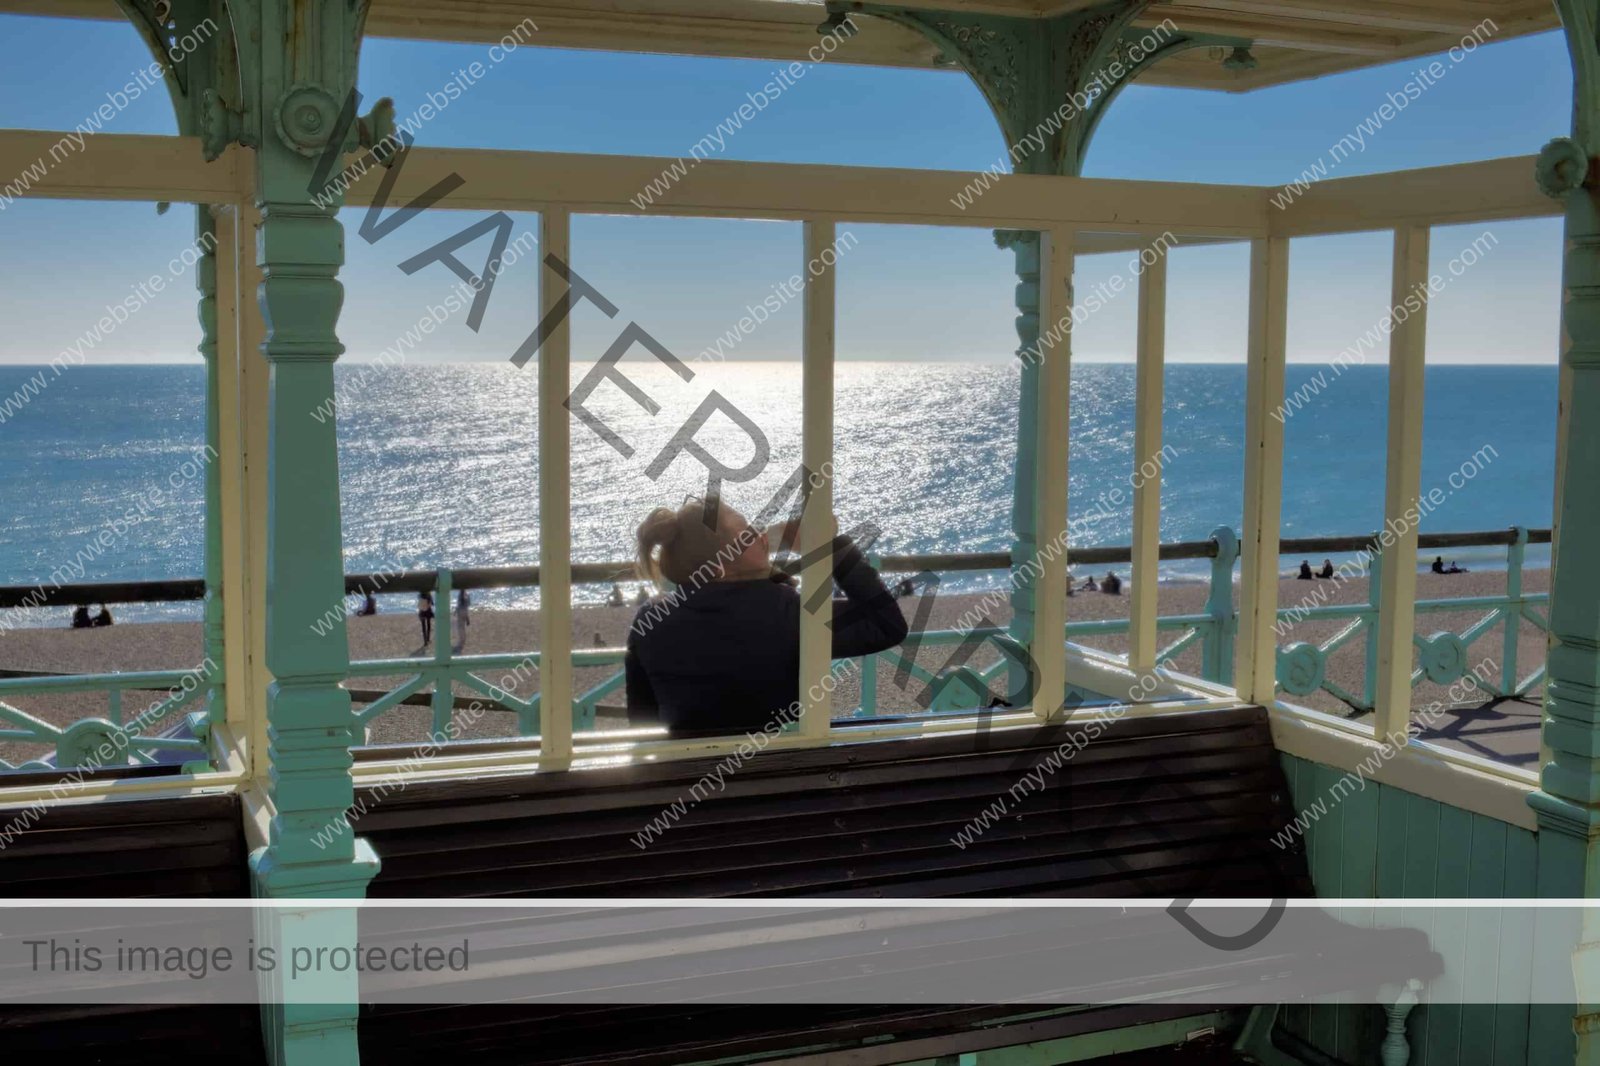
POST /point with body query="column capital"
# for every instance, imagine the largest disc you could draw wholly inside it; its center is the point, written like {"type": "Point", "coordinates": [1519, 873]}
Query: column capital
{"type": "Point", "coordinates": [1016, 239]}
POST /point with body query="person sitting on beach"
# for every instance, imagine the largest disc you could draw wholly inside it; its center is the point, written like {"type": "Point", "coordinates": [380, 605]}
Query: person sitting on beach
{"type": "Point", "coordinates": [1305, 570]}
{"type": "Point", "coordinates": [720, 654]}
{"type": "Point", "coordinates": [1454, 569]}
{"type": "Point", "coordinates": [425, 615]}
{"type": "Point", "coordinates": [1438, 564]}
{"type": "Point", "coordinates": [1111, 584]}
{"type": "Point", "coordinates": [103, 618]}
{"type": "Point", "coordinates": [641, 597]}
{"type": "Point", "coordinates": [616, 599]}
{"type": "Point", "coordinates": [80, 617]}
{"type": "Point", "coordinates": [1089, 585]}
{"type": "Point", "coordinates": [369, 606]}
{"type": "Point", "coordinates": [1327, 569]}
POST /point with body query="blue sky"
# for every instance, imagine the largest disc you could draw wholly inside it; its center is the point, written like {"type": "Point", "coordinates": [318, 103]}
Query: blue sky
{"type": "Point", "coordinates": [906, 293]}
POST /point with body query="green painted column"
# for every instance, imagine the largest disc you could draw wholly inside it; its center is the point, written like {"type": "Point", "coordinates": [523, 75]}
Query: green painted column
{"type": "Point", "coordinates": [273, 75]}
{"type": "Point", "coordinates": [1568, 803]}
{"type": "Point", "coordinates": [211, 626]}
{"type": "Point", "coordinates": [1048, 82]}
{"type": "Point", "coordinates": [1025, 247]}
{"type": "Point", "coordinates": [297, 66]}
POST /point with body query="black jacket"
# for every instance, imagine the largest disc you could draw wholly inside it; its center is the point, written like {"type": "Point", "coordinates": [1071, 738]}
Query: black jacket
{"type": "Point", "coordinates": [725, 657]}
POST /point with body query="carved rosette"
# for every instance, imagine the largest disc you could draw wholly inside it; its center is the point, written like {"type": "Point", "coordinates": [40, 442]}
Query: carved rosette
{"type": "Point", "coordinates": [306, 119]}
{"type": "Point", "coordinates": [1562, 167]}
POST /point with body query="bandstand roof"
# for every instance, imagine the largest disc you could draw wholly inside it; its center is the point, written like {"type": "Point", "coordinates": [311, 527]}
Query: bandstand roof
{"type": "Point", "coordinates": [1294, 39]}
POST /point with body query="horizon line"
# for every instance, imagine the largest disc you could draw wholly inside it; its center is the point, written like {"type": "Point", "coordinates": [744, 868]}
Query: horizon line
{"type": "Point", "coordinates": [768, 360]}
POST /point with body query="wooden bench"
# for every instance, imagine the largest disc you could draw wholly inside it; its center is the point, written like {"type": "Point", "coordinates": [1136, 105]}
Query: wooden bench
{"type": "Point", "coordinates": [186, 848]}
{"type": "Point", "coordinates": [1150, 808]}
{"type": "Point", "coordinates": [1181, 804]}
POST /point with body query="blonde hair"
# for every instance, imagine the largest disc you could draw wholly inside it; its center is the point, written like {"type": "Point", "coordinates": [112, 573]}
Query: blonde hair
{"type": "Point", "coordinates": [686, 545]}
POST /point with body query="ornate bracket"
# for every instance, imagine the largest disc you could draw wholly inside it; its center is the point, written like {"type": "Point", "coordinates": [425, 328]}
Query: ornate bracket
{"type": "Point", "coordinates": [193, 41]}
{"type": "Point", "coordinates": [1048, 80]}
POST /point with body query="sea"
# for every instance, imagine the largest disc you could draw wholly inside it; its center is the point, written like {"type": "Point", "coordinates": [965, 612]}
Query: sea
{"type": "Point", "coordinates": [102, 467]}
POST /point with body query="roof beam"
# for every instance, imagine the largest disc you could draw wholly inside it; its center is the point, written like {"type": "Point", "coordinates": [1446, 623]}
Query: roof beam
{"type": "Point", "coordinates": [1372, 14]}
{"type": "Point", "coordinates": [1301, 35]}
{"type": "Point", "coordinates": [1303, 38]}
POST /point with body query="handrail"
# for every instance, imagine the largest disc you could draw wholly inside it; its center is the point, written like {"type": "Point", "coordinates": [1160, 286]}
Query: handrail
{"type": "Point", "coordinates": [485, 577]}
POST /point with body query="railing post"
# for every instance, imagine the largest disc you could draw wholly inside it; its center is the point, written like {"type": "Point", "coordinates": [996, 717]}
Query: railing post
{"type": "Point", "coordinates": [816, 457]}
{"type": "Point", "coordinates": [1508, 650]}
{"type": "Point", "coordinates": [869, 663]}
{"type": "Point", "coordinates": [1408, 316]}
{"type": "Point", "coordinates": [1369, 679]}
{"type": "Point", "coordinates": [1216, 658]}
{"type": "Point", "coordinates": [239, 363]}
{"type": "Point", "coordinates": [555, 496]}
{"type": "Point", "coordinates": [249, 593]}
{"type": "Point", "coordinates": [1054, 359]}
{"type": "Point", "coordinates": [213, 665]}
{"type": "Point", "coordinates": [443, 689]}
{"type": "Point", "coordinates": [1144, 605]}
{"type": "Point", "coordinates": [1256, 670]}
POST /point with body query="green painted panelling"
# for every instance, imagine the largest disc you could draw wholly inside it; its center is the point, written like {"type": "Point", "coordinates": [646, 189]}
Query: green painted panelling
{"type": "Point", "coordinates": [1512, 1020]}
{"type": "Point", "coordinates": [1386, 843]}
{"type": "Point", "coordinates": [1326, 850]}
{"type": "Point", "coordinates": [1358, 1029]}
{"type": "Point", "coordinates": [1450, 878]}
{"type": "Point", "coordinates": [1420, 879]}
{"type": "Point", "coordinates": [1296, 1017]}
{"type": "Point", "coordinates": [1485, 880]}
{"type": "Point", "coordinates": [1390, 873]}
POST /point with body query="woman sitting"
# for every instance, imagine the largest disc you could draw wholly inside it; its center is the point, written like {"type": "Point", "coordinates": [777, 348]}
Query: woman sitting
{"type": "Point", "coordinates": [721, 653]}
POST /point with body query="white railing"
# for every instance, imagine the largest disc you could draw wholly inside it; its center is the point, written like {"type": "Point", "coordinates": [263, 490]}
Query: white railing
{"type": "Point", "coordinates": [1073, 215]}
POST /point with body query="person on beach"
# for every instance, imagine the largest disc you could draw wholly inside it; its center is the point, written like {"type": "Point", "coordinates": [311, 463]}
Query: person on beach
{"type": "Point", "coordinates": [1305, 570]}
{"type": "Point", "coordinates": [103, 618]}
{"type": "Point", "coordinates": [463, 617]}
{"type": "Point", "coordinates": [1111, 584]}
{"type": "Point", "coordinates": [1438, 564]}
{"type": "Point", "coordinates": [721, 653]}
{"type": "Point", "coordinates": [616, 599]}
{"type": "Point", "coordinates": [1327, 569]}
{"type": "Point", "coordinates": [80, 617]}
{"type": "Point", "coordinates": [640, 597]}
{"type": "Point", "coordinates": [1454, 569]}
{"type": "Point", "coordinates": [369, 606]}
{"type": "Point", "coordinates": [425, 616]}
{"type": "Point", "coordinates": [1089, 585]}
